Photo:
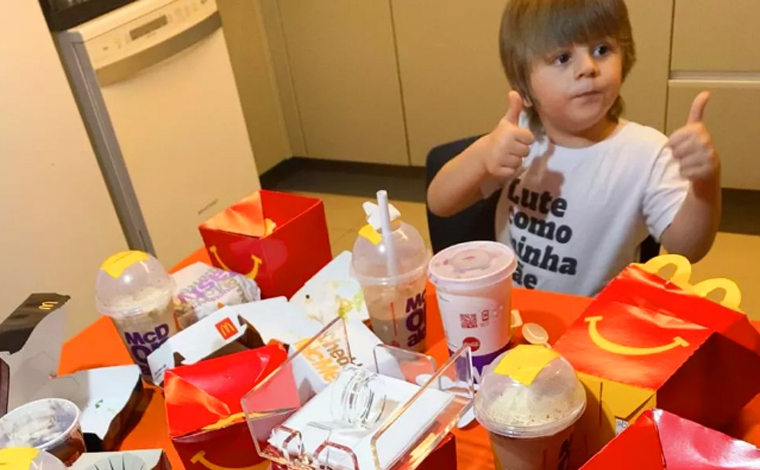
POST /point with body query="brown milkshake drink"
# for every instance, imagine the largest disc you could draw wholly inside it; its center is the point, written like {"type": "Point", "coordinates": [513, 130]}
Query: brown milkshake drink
{"type": "Point", "coordinates": [530, 400]}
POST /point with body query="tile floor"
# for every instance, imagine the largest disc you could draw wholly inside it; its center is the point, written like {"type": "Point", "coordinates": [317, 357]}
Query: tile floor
{"type": "Point", "coordinates": [734, 256]}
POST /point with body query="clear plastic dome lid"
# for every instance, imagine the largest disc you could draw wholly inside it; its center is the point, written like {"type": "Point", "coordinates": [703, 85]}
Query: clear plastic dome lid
{"type": "Point", "coordinates": [529, 392]}
{"type": "Point", "coordinates": [369, 263]}
{"type": "Point", "coordinates": [131, 283]}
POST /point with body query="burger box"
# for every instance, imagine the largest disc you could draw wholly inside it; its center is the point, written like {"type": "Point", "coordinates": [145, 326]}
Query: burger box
{"type": "Point", "coordinates": [129, 460]}
{"type": "Point", "coordinates": [235, 328]}
{"type": "Point", "coordinates": [227, 331]}
{"type": "Point", "coordinates": [30, 348]}
{"type": "Point", "coordinates": [333, 290]}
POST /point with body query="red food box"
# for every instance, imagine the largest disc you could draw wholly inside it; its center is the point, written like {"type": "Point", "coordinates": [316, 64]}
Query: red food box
{"type": "Point", "coordinates": [203, 411]}
{"type": "Point", "coordinates": [280, 240]}
{"type": "Point", "coordinates": [645, 343]}
{"type": "Point", "coordinates": [659, 440]}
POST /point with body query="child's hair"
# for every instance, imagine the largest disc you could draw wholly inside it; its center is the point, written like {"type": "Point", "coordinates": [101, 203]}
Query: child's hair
{"type": "Point", "coordinates": [532, 28]}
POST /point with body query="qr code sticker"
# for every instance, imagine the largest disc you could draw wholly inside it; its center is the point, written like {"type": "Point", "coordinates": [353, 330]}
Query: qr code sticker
{"type": "Point", "coordinates": [468, 320]}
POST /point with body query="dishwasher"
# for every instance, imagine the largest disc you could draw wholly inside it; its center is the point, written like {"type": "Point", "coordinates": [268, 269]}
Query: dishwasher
{"type": "Point", "coordinates": [155, 88]}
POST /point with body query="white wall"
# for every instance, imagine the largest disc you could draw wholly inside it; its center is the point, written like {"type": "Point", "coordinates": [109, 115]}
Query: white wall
{"type": "Point", "coordinates": [56, 219]}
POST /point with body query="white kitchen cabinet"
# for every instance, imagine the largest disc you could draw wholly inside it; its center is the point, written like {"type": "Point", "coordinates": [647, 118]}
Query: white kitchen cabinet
{"type": "Point", "coordinates": [256, 82]}
{"type": "Point", "coordinates": [645, 90]}
{"type": "Point", "coordinates": [716, 36]}
{"type": "Point", "coordinates": [730, 116]}
{"type": "Point", "coordinates": [343, 63]}
{"type": "Point", "coordinates": [451, 75]}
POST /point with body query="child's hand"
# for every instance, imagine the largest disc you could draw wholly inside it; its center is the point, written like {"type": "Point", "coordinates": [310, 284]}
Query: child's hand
{"type": "Point", "coordinates": [692, 145]}
{"type": "Point", "coordinates": [509, 142]}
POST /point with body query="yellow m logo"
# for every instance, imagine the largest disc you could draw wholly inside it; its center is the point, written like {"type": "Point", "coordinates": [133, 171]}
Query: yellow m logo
{"type": "Point", "coordinates": [226, 328]}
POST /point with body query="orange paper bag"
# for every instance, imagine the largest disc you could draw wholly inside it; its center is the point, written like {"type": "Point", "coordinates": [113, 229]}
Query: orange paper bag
{"type": "Point", "coordinates": [280, 240]}
{"type": "Point", "coordinates": [203, 411]}
{"type": "Point", "coordinates": [645, 342]}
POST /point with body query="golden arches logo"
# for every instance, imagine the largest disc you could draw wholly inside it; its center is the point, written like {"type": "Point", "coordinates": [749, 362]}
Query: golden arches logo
{"type": "Point", "coordinates": [226, 328]}
{"type": "Point", "coordinates": [200, 458]}
{"type": "Point", "coordinates": [607, 345]}
{"type": "Point", "coordinates": [257, 262]}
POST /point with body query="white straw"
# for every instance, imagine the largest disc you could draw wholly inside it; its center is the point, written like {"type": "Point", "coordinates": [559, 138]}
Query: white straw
{"type": "Point", "coordinates": [385, 225]}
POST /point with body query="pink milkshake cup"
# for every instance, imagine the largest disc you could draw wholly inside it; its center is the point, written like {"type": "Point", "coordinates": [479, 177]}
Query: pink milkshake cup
{"type": "Point", "coordinates": [473, 283]}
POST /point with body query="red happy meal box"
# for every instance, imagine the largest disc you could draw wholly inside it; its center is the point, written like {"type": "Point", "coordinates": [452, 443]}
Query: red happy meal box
{"type": "Point", "coordinates": [278, 239]}
{"type": "Point", "coordinates": [645, 343]}
{"type": "Point", "coordinates": [203, 411]}
{"type": "Point", "coordinates": [662, 441]}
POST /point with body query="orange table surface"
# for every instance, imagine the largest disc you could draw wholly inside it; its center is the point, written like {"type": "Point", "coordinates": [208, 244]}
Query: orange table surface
{"type": "Point", "coordinates": [100, 346]}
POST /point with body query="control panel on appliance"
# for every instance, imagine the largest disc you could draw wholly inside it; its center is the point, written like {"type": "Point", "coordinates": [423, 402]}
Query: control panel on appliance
{"type": "Point", "coordinates": [148, 30]}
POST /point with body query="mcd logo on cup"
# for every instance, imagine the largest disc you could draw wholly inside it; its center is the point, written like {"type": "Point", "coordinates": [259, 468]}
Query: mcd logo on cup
{"type": "Point", "coordinates": [415, 319]}
{"type": "Point", "coordinates": [142, 344]}
{"type": "Point", "coordinates": [226, 328]}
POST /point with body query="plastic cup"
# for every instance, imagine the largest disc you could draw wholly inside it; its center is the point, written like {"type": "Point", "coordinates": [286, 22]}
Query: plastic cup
{"type": "Point", "coordinates": [473, 283]}
{"type": "Point", "coordinates": [135, 290]}
{"type": "Point", "coordinates": [51, 425]}
{"type": "Point", "coordinates": [531, 425]}
{"type": "Point", "coordinates": [395, 301]}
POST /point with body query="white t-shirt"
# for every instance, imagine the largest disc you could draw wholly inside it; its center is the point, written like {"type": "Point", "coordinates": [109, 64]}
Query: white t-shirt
{"type": "Point", "coordinates": [576, 217]}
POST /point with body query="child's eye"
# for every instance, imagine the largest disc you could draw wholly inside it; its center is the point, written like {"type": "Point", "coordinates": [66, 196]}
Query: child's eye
{"type": "Point", "coordinates": [562, 59]}
{"type": "Point", "coordinates": [602, 50]}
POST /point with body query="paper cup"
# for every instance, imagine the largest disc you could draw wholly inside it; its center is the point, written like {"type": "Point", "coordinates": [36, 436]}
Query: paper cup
{"type": "Point", "coordinates": [51, 425]}
{"type": "Point", "coordinates": [473, 283]}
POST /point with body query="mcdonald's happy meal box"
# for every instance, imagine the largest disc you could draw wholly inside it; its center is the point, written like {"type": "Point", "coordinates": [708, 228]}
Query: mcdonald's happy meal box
{"type": "Point", "coordinates": [203, 412]}
{"type": "Point", "coordinates": [647, 342]}
{"type": "Point", "coordinates": [280, 240]}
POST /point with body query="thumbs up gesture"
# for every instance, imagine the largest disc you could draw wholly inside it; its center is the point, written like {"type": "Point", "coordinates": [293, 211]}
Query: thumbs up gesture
{"type": "Point", "coordinates": [510, 143]}
{"type": "Point", "coordinates": [692, 145]}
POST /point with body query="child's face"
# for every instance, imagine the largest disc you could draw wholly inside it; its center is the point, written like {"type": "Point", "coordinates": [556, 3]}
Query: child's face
{"type": "Point", "coordinates": [576, 86]}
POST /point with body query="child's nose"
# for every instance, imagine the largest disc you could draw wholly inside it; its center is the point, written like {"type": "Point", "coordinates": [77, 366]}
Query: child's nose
{"type": "Point", "coordinates": [587, 66]}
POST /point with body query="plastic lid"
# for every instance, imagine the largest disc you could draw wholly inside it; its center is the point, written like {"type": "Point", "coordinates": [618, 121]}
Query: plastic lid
{"type": "Point", "coordinates": [479, 264]}
{"type": "Point", "coordinates": [529, 392]}
{"type": "Point", "coordinates": [41, 424]}
{"type": "Point", "coordinates": [369, 264]}
{"type": "Point", "coordinates": [132, 283]}
{"type": "Point", "coordinates": [27, 458]}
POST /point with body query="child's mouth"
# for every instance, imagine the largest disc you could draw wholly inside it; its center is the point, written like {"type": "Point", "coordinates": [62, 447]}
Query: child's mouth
{"type": "Point", "coordinates": [588, 94]}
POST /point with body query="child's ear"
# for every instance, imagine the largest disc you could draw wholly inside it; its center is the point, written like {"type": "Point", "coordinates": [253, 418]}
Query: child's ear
{"type": "Point", "coordinates": [527, 103]}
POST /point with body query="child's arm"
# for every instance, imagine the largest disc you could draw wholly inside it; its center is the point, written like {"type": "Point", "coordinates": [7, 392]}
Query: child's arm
{"type": "Point", "coordinates": [498, 154]}
{"type": "Point", "coordinates": [694, 227]}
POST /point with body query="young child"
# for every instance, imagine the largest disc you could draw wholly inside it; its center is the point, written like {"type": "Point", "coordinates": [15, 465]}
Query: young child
{"type": "Point", "coordinates": [581, 187]}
